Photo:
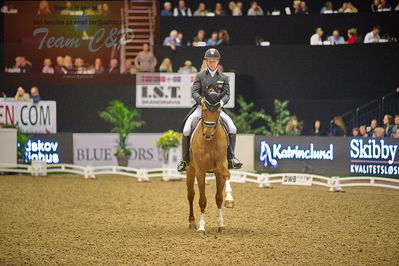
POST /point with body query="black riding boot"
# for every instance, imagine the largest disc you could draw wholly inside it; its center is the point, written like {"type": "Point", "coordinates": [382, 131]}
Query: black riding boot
{"type": "Point", "coordinates": [185, 144]}
{"type": "Point", "coordinates": [234, 163]}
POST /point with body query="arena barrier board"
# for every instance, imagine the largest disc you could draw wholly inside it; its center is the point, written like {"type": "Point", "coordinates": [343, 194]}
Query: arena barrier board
{"type": "Point", "coordinates": [264, 180]}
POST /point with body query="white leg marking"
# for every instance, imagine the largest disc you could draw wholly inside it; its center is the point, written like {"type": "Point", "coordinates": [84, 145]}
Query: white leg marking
{"type": "Point", "coordinates": [220, 218]}
{"type": "Point", "coordinates": [202, 222]}
{"type": "Point", "coordinates": [229, 195]}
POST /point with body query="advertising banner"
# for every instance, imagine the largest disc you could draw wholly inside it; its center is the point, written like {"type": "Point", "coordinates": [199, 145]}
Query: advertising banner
{"type": "Point", "coordinates": [99, 149]}
{"type": "Point", "coordinates": [328, 155]}
{"type": "Point", "coordinates": [170, 90]}
{"type": "Point", "coordinates": [51, 148]}
{"type": "Point", "coordinates": [30, 117]}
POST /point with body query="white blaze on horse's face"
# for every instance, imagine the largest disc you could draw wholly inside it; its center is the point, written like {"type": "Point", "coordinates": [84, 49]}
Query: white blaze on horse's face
{"type": "Point", "coordinates": [209, 122]}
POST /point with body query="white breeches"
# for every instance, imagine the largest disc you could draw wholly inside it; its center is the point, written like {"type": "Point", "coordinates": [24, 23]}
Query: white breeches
{"type": "Point", "coordinates": [198, 113]}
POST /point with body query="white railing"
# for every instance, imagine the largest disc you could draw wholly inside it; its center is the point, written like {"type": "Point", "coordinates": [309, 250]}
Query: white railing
{"type": "Point", "coordinates": [264, 180]}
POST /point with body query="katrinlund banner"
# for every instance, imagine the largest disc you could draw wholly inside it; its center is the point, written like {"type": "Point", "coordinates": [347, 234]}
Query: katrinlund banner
{"type": "Point", "coordinates": [171, 90]}
{"type": "Point", "coordinates": [30, 117]}
{"type": "Point", "coordinates": [328, 155]}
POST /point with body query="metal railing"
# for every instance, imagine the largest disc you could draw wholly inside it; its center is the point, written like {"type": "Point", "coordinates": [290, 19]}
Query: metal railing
{"type": "Point", "coordinates": [375, 109]}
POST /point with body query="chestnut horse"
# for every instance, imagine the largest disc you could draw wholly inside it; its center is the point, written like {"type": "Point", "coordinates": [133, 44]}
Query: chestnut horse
{"type": "Point", "coordinates": [208, 154]}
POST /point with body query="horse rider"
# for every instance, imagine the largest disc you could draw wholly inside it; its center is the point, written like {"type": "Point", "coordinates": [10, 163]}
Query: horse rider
{"type": "Point", "coordinates": [211, 78]}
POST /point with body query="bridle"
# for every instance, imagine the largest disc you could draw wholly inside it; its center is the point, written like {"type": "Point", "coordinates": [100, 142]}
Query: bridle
{"type": "Point", "coordinates": [210, 124]}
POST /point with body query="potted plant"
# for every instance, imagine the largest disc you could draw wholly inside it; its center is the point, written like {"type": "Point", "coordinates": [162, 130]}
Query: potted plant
{"type": "Point", "coordinates": [125, 120]}
{"type": "Point", "coordinates": [169, 140]}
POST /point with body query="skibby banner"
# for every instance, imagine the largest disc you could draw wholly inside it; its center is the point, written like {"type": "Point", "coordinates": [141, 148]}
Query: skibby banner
{"type": "Point", "coordinates": [171, 90]}
{"type": "Point", "coordinates": [30, 117]}
{"type": "Point", "coordinates": [328, 155]}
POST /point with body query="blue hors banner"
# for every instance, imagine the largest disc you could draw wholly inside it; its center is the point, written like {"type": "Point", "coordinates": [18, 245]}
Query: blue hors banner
{"type": "Point", "coordinates": [328, 155]}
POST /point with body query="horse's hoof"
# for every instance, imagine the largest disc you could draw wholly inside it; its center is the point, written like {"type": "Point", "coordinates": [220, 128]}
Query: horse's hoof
{"type": "Point", "coordinates": [201, 232]}
{"type": "Point", "coordinates": [221, 229]}
{"type": "Point", "coordinates": [229, 204]}
{"type": "Point", "coordinates": [192, 227]}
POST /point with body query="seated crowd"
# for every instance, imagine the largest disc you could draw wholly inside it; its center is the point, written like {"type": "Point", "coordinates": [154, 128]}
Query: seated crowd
{"type": "Point", "coordinates": [389, 128]}
{"type": "Point", "coordinates": [176, 39]}
{"type": "Point", "coordinates": [253, 8]}
{"type": "Point", "coordinates": [22, 95]}
{"type": "Point", "coordinates": [145, 61]}
{"type": "Point", "coordinates": [353, 37]}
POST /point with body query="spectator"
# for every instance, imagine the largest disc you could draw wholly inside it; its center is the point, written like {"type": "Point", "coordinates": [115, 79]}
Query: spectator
{"type": "Point", "coordinates": [68, 64]}
{"type": "Point", "coordinates": [129, 68]}
{"type": "Point", "coordinates": [113, 67]}
{"type": "Point", "coordinates": [145, 60]}
{"type": "Point", "coordinates": [220, 68]}
{"type": "Point", "coordinates": [166, 66]}
{"type": "Point", "coordinates": [373, 125]}
{"type": "Point", "coordinates": [316, 38]}
{"type": "Point", "coordinates": [328, 8]}
{"type": "Point", "coordinates": [236, 8]}
{"type": "Point", "coordinates": [373, 36]}
{"type": "Point", "coordinates": [60, 69]}
{"type": "Point", "coordinates": [347, 7]}
{"type": "Point", "coordinates": [25, 65]}
{"type": "Point", "coordinates": [388, 125]}
{"type": "Point", "coordinates": [47, 69]}
{"type": "Point", "coordinates": [224, 37]}
{"type": "Point", "coordinates": [44, 8]}
{"type": "Point", "coordinates": [335, 38]}
{"type": "Point", "coordinates": [255, 9]}
{"type": "Point", "coordinates": [18, 61]}
{"type": "Point", "coordinates": [297, 7]}
{"type": "Point", "coordinates": [201, 11]}
{"type": "Point", "coordinates": [98, 66]}
{"type": "Point", "coordinates": [352, 36]}
{"type": "Point", "coordinates": [304, 8]}
{"type": "Point", "coordinates": [199, 40]}
{"type": "Point", "coordinates": [397, 9]}
{"type": "Point", "coordinates": [68, 9]}
{"type": "Point", "coordinates": [219, 11]}
{"type": "Point", "coordinates": [378, 132]}
{"type": "Point", "coordinates": [167, 10]}
{"type": "Point", "coordinates": [79, 66]}
{"type": "Point", "coordinates": [171, 40]}
{"type": "Point", "coordinates": [187, 68]}
{"type": "Point", "coordinates": [182, 10]}
{"type": "Point", "coordinates": [355, 132]}
{"type": "Point", "coordinates": [21, 95]}
{"type": "Point", "coordinates": [34, 94]}
{"type": "Point", "coordinates": [179, 38]}
{"type": "Point", "coordinates": [338, 127]}
{"type": "Point", "coordinates": [374, 5]}
{"type": "Point", "coordinates": [292, 128]}
{"type": "Point", "coordinates": [363, 131]}
{"type": "Point", "coordinates": [317, 131]}
{"type": "Point", "coordinates": [395, 128]}
{"type": "Point", "coordinates": [105, 9]}
{"type": "Point", "coordinates": [384, 6]}
{"type": "Point", "coordinates": [213, 41]}
{"type": "Point", "coordinates": [99, 9]}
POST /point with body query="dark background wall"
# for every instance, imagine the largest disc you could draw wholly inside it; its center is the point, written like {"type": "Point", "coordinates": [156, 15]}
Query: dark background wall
{"type": "Point", "coordinates": [281, 29]}
{"type": "Point", "coordinates": [319, 82]}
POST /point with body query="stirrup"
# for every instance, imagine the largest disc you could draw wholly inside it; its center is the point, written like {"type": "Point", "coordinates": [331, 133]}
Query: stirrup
{"type": "Point", "coordinates": [182, 166]}
{"type": "Point", "coordinates": [234, 163]}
